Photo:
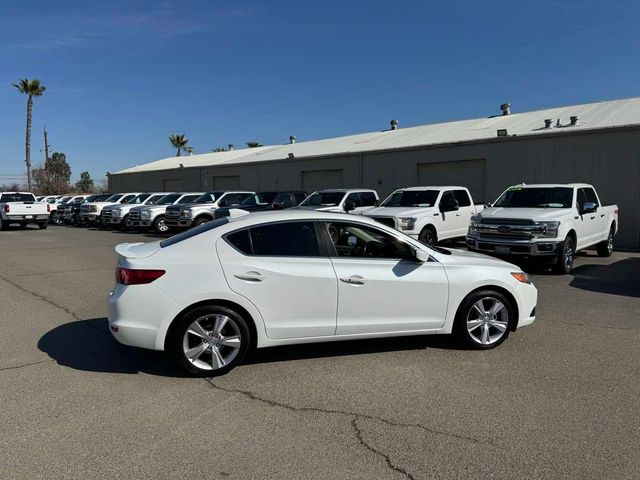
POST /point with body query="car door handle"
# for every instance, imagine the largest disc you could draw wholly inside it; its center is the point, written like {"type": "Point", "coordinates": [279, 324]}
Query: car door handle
{"type": "Point", "coordinates": [457, 214]}
{"type": "Point", "coordinates": [601, 215]}
{"type": "Point", "coordinates": [354, 280]}
{"type": "Point", "coordinates": [250, 276]}
{"type": "Point", "coordinates": [593, 217]}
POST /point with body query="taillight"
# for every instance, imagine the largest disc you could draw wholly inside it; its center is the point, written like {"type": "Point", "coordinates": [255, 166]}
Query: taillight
{"type": "Point", "coordinates": [6, 208]}
{"type": "Point", "coordinates": [131, 276]}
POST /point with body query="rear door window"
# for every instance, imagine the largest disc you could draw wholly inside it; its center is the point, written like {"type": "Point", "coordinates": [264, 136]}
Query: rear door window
{"type": "Point", "coordinates": [368, 199]}
{"type": "Point", "coordinates": [462, 197]}
{"type": "Point", "coordinates": [591, 195]}
{"type": "Point", "coordinates": [299, 198]}
{"type": "Point", "coordinates": [355, 198]}
{"type": "Point", "coordinates": [287, 239]}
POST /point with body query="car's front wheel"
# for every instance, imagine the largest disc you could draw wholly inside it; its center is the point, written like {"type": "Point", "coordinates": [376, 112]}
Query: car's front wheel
{"type": "Point", "coordinates": [210, 340]}
{"type": "Point", "coordinates": [484, 320]}
{"type": "Point", "coordinates": [159, 225]}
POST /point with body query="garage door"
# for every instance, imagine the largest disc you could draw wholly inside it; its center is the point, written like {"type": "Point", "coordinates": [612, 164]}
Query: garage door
{"type": "Point", "coordinates": [465, 173]}
{"type": "Point", "coordinates": [172, 185]}
{"type": "Point", "coordinates": [226, 182]}
{"type": "Point", "coordinates": [320, 179]}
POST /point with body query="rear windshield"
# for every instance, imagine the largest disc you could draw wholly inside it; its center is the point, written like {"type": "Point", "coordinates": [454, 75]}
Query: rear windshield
{"type": "Point", "coordinates": [17, 197]}
{"type": "Point", "coordinates": [205, 227]}
{"type": "Point", "coordinates": [536, 197]}
{"type": "Point", "coordinates": [411, 198]}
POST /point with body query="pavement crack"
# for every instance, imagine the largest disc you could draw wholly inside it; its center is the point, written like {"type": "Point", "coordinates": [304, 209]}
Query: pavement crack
{"type": "Point", "coordinates": [354, 417]}
{"type": "Point", "coordinates": [13, 367]}
{"type": "Point", "coordinates": [385, 457]}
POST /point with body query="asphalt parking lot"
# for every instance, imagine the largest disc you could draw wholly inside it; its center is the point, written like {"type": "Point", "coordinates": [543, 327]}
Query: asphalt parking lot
{"type": "Point", "coordinates": [558, 400]}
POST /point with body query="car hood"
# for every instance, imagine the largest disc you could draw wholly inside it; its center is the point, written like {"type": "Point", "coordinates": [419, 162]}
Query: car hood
{"type": "Point", "coordinates": [137, 250]}
{"type": "Point", "coordinates": [397, 211]}
{"type": "Point", "coordinates": [474, 259]}
{"type": "Point", "coordinates": [527, 213]}
{"type": "Point", "coordinates": [149, 208]}
{"type": "Point", "coordinates": [190, 205]}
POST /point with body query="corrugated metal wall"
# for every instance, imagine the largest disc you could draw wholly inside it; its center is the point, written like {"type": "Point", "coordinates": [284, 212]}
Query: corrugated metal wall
{"type": "Point", "coordinates": [610, 160]}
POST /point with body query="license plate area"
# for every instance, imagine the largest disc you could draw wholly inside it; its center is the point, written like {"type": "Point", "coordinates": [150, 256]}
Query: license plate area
{"type": "Point", "coordinates": [28, 217]}
{"type": "Point", "coordinates": [503, 250]}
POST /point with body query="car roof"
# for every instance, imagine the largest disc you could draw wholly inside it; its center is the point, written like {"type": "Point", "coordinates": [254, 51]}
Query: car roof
{"type": "Point", "coordinates": [345, 190]}
{"type": "Point", "coordinates": [552, 185]}
{"type": "Point", "coordinates": [434, 187]}
{"type": "Point", "coordinates": [295, 214]}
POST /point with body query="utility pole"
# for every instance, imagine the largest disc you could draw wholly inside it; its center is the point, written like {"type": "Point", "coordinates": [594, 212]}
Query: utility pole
{"type": "Point", "coordinates": [46, 146]}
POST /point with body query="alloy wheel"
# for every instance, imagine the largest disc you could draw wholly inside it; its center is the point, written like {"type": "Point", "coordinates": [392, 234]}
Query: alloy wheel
{"type": "Point", "coordinates": [567, 257]}
{"type": "Point", "coordinates": [211, 342]}
{"type": "Point", "coordinates": [487, 321]}
{"type": "Point", "coordinates": [610, 243]}
{"type": "Point", "coordinates": [161, 226]}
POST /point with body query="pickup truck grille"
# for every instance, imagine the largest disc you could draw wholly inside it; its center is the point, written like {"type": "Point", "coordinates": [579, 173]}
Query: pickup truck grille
{"type": "Point", "coordinates": [388, 221]}
{"type": "Point", "coordinates": [88, 208]}
{"type": "Point", "coordinates": [508, 229]}
{"type": "Point", "coordinates": [106, 214]}
{"type": "Point", "coordinates": [507, 221]}
{"type": "Point", "coordinates": [134, 215]}
{"type": "Point", "coordinates": [172, 213]}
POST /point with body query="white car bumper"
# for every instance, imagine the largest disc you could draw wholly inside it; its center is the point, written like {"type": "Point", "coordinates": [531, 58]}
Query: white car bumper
{"type": "Point", "coordinates": [526, 296]}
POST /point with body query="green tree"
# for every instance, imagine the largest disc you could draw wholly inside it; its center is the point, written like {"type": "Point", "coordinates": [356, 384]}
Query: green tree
{"type": "Point", "coordinates": [180, 142]}
{"type": "Point", "coordinates": [253, 144]}
{"type": "Point", "coordinates": [219, 149]}
{"type": "Point", "coordinates": [53, 177]}
{"type": "Point", "coordinates": [31, 88]}
{"type": "Point", "coordinates": [85, 184]}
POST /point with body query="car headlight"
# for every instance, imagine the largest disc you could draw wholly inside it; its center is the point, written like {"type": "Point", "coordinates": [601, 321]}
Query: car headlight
{"type": "Point", "coordinates": [186, 213]}
{"type": "Point", "coordinates": [474, 223]}
{"type": "Point", "coordinates": [144, 214]}
{"type": "Point", "coordinates": [94, 208]}
{"type": "Point", "coordinates": [407, 223]}
{"type": "Point", "coordinates": [115, 213]}
{"type": "Point", "coordinates": [549, 230]}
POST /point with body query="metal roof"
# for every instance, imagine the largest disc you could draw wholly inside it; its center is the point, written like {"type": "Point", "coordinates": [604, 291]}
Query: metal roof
{"type": "Point", "coordinates": [592, 116]}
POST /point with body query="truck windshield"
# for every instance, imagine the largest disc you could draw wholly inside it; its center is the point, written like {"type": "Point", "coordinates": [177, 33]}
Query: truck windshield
{"type": "Point", "coordinates": [536, 197]}
{"type": "Point", "coordinates": [114, 198]}
{"type": "Point", "coordinates": [206, 198]}
{"type": "Point", "coordinates": [259, 199]}
{"type": "Point", "coordinates": [323, 199]}
{"type": "Point", "coordinates": [411, 198]}
{"type": "Point", "coordinates": [138, 199]}
{"type": "Point", "coordinates": [154, 199]}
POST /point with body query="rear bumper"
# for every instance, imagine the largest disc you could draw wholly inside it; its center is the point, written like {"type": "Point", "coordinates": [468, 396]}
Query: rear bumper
{"type": "Point", "coordinates": [25, 218]}
{"type": "Point", "coordinates": [505, 247]}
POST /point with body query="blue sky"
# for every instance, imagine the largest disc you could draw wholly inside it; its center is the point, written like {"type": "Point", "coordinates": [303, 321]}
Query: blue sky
{"type": "Point", "coordinates": [121, 76]}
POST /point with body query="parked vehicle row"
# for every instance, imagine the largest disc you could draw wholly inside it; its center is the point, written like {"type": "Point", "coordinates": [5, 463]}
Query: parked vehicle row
{"type": "Point", "coordinates": [545, 222]}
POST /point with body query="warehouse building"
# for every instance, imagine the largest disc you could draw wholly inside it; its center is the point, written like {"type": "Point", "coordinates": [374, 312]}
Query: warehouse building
{"type": "Point", "coordinates": [596, 143]}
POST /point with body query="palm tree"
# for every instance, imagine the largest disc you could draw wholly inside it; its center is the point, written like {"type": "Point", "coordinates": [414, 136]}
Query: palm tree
{"type": "Point", "coordinates": [180, 142]}
{"type": "Point", "coordinates": [219, 149]}
{"type": "Point", "coordinates": [189, 149]}
{"type": "Point", "coordinates": [253, 144]}
{"type": "Point", "coordinates": [32, 88]}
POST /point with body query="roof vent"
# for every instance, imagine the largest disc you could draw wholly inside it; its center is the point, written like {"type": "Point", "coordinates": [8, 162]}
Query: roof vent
{"type": "Point", "coordinates": [574, 120]}
{"type": "Point", "coordinates": [548, 123]}
{"type": "Point", "coordinates": [506, 108]}
{"type": "Point", "coordinates": [292, 139]}
{"type": "Point", "coordinates": [394, 124]}
{"type": "Point", "coordinates": [231, 147]}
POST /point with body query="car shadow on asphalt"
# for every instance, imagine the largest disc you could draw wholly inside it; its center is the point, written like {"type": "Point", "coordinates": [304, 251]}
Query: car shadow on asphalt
{"type": "Point", "coordinates": [619, 278]}
{"type": "Point", "coordinates": [87, 345]}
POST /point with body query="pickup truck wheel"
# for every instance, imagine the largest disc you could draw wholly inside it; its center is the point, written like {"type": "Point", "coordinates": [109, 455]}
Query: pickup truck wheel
{"type": "Point", "coordinates": [605, 249]}
{"type": "Point", "coordinates": [3, 225]}
{"type": "Point", "coordinates": [200, 221]}
{"type": "Point", "coordinates": [42, 225]}
{"type": "Point", "coordinates": [124, 225]}
{"type": "Point", "coordinates": [159, 225]}
{"type": "Point", "coordinates": [210, 340]}
{"type": "Point", "coordinates": [427, 236]}
{"type": "Point", "coordinates": [484, 320]}
{"type": "Point", "coordinates": [77, 219]}
{"type": "Point", "coordinates": [566, 256]}
{"type": "Point", "coordinates": [56, 219]}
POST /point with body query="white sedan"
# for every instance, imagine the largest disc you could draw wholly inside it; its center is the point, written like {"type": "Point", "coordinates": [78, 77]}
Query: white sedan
{"type": "Point", "coordinates": [274, 278]}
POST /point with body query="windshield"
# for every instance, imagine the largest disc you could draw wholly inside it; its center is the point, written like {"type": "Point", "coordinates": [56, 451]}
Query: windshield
{"type": "Point", "coordinates": [138, 199]}
{"type": "Point", "coordinates": [259, 199]}
{"type": "Point", "coordinates": [168, 199]}
{"type": "Point", "coordinates": [206, 198]}
{"type": "Point", "coordinates": [411, 198]}
{"type": "Point", "coordinates": [189, 198]}
{"type": "Point", "coordinates": [536, 197]}
{"type": "Point", "coordinates": [323, 199]}
{"type": "Point", "coordinates": [114, 198]}
{"type": "Point", "coordinates": [154, 199]}
{"type": "Point", "coordinates": [65, 199]}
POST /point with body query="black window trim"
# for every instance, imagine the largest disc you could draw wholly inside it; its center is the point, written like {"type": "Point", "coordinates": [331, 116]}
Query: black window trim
{"type": "Point", "coordinates": [323, 253]}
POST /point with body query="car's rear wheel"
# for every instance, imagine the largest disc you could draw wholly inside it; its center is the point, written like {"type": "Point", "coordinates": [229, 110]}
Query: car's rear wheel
{"type": "Point", "coordinates": [210, 340]}
{"type": "Point", "coordinates": [605, 249]}
{"type": "Point", "coordinates": [484, 320]}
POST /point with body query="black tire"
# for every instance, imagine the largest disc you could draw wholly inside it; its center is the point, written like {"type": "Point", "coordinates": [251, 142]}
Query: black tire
{"type": "Point", "coordinates": [466, 331]}
{"type": "Point", "coordinates": [42, 225]}
{"type": "Point", "coordinates": [3, 225]}
{"type": "Point", "coordinates": [236, 325]}
{"type": "Point", "coordinates": [52, 217]}
{"type": "Point", "coordinates": [77, 220]}
{"type": "Point", "coordinates": [565, 258]}
{"type": "Point", "coordinates": [159, 226]}
{"type": "Point", "coordinates": [605, 248]}
{"type": "Point", "coordinates": [428, 236]}
{"type": "Point", "coordinates": [201, 221]}
{"type": "Point", "coordinates": [123, 225]}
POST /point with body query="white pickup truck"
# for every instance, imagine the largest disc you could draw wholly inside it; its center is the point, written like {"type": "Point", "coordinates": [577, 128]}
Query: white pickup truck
{"type": "Point", "coordinates": [22, 208]}
{"type": "Point", "coordinates": [548, 222]}
{"type": "Point", "coordinates": [428, 214]}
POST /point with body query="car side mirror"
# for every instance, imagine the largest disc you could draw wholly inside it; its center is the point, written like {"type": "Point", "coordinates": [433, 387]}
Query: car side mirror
{"type": "Point", "coordinates": [488, 205]}
{"type": "Point", "coordinates": [420, 255]}
{"type": "Point", "coordinates": [349, 206]}
{"type": "Point", "coordinates": [589, 207]}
